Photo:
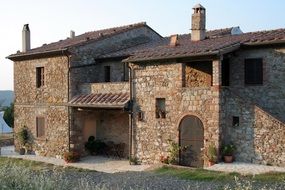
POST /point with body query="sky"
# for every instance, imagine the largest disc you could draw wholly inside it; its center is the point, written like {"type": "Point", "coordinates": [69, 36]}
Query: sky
{"type": "Point", "coordinates": [52, 20]}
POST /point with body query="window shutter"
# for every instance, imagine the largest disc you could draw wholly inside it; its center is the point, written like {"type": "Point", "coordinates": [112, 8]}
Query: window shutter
{"type": "Point", "coordinates": [40, 124]}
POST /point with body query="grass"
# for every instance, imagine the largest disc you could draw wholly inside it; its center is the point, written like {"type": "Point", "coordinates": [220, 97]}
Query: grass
{"type": "Point", "coordinates": [206, 175]}
{"type": "Point", "coordinates": [196, 174]}
{"type": "Point", "coordinates": [37, 166]}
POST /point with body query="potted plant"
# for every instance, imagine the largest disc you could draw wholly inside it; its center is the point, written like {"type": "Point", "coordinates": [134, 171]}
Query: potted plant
{"type": "Point", "coordinates": [211, 155]}
{"type": "Point", "coordinates": [23, 137]}
{"type": "Point", "coordinates": [133, 160]}
{"type": "Point", "coordinates": [227, 152]}
{"type": "Point", "coordinates": [71, 157]}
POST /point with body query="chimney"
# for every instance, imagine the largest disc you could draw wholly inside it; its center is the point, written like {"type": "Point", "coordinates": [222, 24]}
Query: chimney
{"type": "Point", "coordinates": [198, 23]}
{"type": "Point", "coordinates": [72, 34]}
{"type": "Point", "coordinates": [26, 38]}
{"type": "Point", "coordinates": [173, 40]}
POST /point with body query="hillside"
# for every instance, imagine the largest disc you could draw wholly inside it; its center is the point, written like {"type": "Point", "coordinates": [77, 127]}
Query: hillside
{"type": "Point", "coordinates": [6, 97]}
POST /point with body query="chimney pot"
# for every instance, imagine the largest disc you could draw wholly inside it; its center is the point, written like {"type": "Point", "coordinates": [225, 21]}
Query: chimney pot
{"type": "Point", "coordinates": [26, 38]}
{"type": "Point", "coordinates": [72, 34]}
{"type": "Point", "coordinates": [198, 23]}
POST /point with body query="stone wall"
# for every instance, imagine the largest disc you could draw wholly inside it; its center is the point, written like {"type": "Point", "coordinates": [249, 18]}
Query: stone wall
{"type": "Point", "coordinates": [47, 101]}
{"type": "Point", "coordinates": [164, 80]}
{"type": "Point", "coordinates": [107, 87]}
{"type": "Point", "coordinates": [111, 125]}
{"type": "Point", "coordinates": [55, 89]}
{"type": "Point", "coordinates": [270, 95]}
{"type": "Point", "coordinates": [261, 108]}
{"type": "Point", "coordinates": [55, 141]}
{"type": "Point", "coordinates": [92, 70]}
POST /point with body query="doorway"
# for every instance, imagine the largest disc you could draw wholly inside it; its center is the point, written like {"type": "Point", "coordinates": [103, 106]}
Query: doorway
{"type": "Point", "coordinates": [191, 136]}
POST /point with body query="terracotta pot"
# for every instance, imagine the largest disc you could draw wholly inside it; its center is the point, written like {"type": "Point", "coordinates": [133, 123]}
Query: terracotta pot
{"type": "Point", "coordinates": [22, 151]}
{"type": "Point", "coordinates": [211, 163]}
{"type": "Point", "coordinates": [228, 159]}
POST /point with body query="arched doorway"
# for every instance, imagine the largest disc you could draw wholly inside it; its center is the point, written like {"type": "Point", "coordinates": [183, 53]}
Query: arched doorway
{"type": "Point", "coordinates": [191, 135]}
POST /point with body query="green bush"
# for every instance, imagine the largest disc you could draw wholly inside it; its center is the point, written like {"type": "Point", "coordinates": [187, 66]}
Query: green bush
{"type": "Point", "coordinates": [23, 136]}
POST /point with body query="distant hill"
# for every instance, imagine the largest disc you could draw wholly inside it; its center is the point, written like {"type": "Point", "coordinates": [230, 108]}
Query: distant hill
{"type": "Point", "coordinates": [6, 97]}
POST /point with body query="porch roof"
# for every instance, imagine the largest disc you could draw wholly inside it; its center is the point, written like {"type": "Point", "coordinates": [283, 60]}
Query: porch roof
{"type": "Point", "coordinates": [100, 100]}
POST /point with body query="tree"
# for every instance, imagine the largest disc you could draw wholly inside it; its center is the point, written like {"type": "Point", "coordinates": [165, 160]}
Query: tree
{"type": "Point", "coordinates": [9, 115]}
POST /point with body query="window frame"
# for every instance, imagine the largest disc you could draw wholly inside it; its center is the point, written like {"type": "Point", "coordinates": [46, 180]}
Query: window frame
{"type": "Point", "coordinates": [160, 112]}
{"type": "Point", "coordinates": [258, 79]}
{"type": "Point", "coordinates": [107, 73]}
{"type": "Point", "coordinates": [40, 77]}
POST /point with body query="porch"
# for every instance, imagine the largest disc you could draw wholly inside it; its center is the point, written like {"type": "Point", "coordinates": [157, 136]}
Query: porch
{"type": "Point", "coordinates": [99, 118]}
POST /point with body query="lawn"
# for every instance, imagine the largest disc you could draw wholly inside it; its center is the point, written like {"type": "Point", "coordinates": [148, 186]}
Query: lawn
{"type": "Point", "coordinates": [206, 175]}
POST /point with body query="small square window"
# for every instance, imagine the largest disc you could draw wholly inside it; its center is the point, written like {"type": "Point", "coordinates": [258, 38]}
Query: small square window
{"type": "Point", "coordinates": [235, 121]}
{"type": "Point", "coordinates": [160, 108]}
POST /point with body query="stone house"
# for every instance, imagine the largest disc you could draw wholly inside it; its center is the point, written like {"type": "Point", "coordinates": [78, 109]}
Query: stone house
{"type": "Point", "coordinates": [131, 85]}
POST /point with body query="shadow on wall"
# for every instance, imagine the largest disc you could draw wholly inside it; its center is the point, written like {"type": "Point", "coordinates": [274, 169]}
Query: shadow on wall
{"type": "Point", "coordinates": [257, 134]}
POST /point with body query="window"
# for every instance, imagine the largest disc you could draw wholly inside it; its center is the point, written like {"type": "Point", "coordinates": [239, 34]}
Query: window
{"type": "Point", "coordinates": [160, 108]}
{"type": "Point", "coordinates": [225, 72]}
{"type": "Point", "coordinates": [107, 73]}
{"type": "Point", "coordinates": [40, 76]}
{"type": "Point", "coordinates": [235, 121]}
{"type": "Point", "coordinates": [40, 126]}
{"type": "Point", "coordinates": [253, 71]}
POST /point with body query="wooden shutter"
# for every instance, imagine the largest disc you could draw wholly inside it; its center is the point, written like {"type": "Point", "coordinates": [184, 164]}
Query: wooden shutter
{"type": "Point", "coordinates": [253, 71]}
{"type": "Point", "coordinates": [40, 124]}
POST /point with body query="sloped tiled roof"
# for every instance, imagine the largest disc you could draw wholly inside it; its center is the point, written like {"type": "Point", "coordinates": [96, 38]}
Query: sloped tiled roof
{"type": "Point", "coordinates": [100, 100]}
{"type": "Point", "coordinates": [80, 39]}
{"type": "Point", "coordinates": [164, 41]}
{"type": "Point", "coordinates": [208, 46]}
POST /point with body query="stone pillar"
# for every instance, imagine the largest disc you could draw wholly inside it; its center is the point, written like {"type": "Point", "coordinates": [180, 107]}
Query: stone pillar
{"type": "Point", "coordinates": [217, 96]}
{"type": "Point", "coordinates": [217, 73]}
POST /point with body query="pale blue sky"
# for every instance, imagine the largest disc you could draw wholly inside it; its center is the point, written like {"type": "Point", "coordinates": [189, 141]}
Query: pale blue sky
{"type": "Point", "coordinates": [51, 20]}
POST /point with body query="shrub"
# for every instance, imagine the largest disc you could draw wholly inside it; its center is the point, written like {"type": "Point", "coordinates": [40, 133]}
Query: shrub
{"type": "Point", "coordinates": [23, 136]}
{"type": "Point", "coordinates": [211, 153]}
{"type": "Point", "coordinates": [174, 150]}
{"type": "Point", "coordinates": [71, 156]}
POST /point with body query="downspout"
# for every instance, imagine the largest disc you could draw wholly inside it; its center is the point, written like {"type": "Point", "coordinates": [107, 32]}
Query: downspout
{"type": "Point", "coordinates": [131, 114]}
{"type": "Point", "coordinates": [68, 96]}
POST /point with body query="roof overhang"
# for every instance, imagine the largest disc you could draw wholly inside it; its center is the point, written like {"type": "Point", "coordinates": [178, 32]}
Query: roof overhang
{"type": "Point", "coordinates": [100, 100]}
{"type": "Point", "coordinates": [36, 55]}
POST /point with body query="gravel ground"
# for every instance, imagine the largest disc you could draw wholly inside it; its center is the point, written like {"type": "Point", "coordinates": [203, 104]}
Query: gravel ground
{"type": "Point", "coordinates": [137, 180]}
{"type": "Point", "coordinates": [150, 180]}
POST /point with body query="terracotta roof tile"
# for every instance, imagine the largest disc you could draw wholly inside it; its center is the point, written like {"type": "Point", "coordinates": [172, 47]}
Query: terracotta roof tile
{"type": "Point", "coordinates": [164, 41]}
{"type": "Point", "coordinates": [100, 100]}
{"type": "Point", "coordinates": [81, 39]}
{"type": "Point", "coordinates": [188, 48]}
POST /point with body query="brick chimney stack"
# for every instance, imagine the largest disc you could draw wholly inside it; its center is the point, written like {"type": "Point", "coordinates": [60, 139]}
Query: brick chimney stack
{"type": "Point", "coordinates": [26, 38]}
{"type": "Point", "coordinates": [198, 23]}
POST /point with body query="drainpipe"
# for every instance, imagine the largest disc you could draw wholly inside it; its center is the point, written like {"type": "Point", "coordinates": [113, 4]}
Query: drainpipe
{"type": "Point", "coordinates": [131, 113]}
{"type": "Point", "coordinates": [68, 95]}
